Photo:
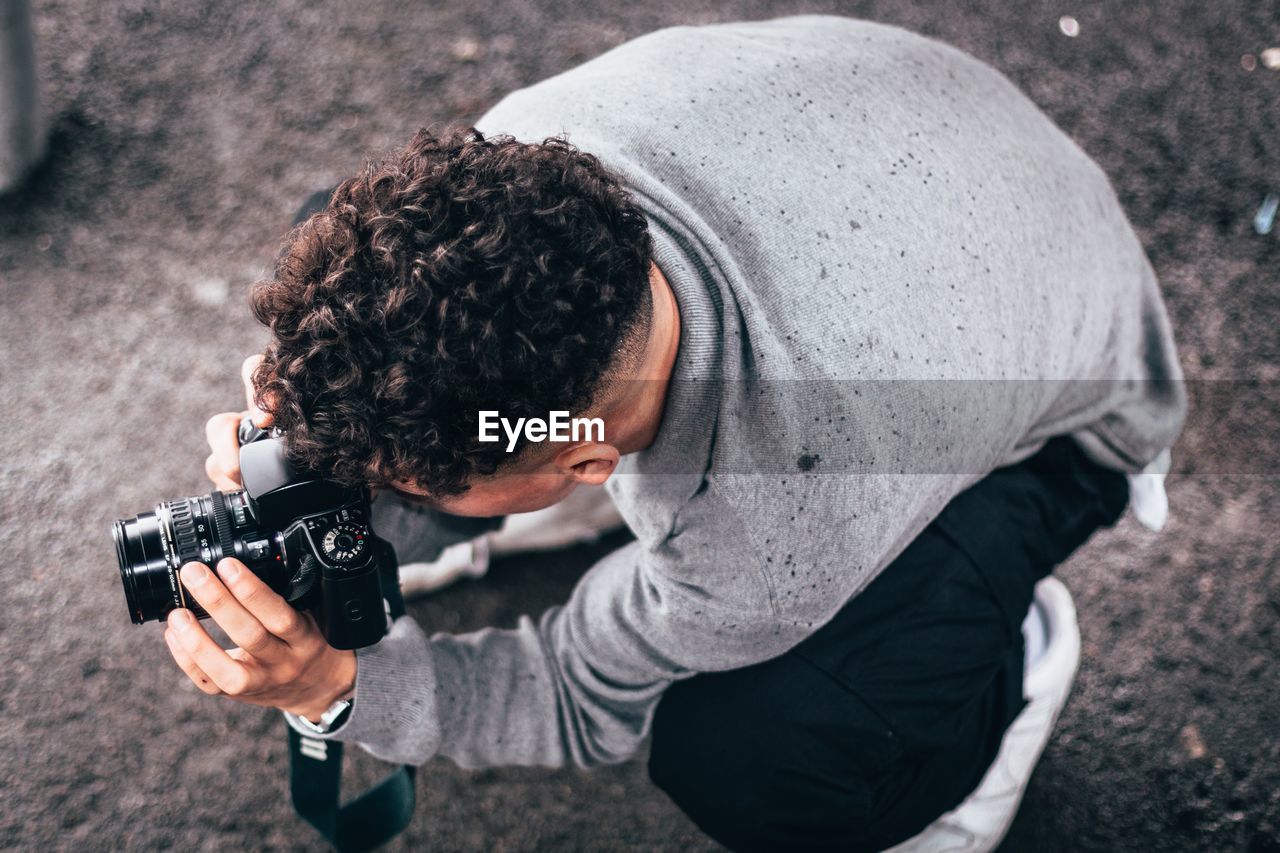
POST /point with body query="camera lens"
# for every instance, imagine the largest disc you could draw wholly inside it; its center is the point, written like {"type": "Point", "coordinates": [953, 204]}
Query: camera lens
{"type": "Point", "coordinates": [144, 569]}
{"type": "Point", "coordinates": [152, 546]}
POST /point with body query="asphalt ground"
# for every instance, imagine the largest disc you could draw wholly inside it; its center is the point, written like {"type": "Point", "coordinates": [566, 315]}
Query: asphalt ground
{"type": "Point", "coordinates": [183, 135]}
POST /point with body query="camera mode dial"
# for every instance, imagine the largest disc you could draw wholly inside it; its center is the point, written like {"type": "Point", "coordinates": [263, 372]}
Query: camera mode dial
{"type": "Point", "coordinates": [344, 542]}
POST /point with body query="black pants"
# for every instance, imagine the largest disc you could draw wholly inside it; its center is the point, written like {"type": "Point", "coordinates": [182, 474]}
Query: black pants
{"type": "Point", "coordinates": [891, 713]}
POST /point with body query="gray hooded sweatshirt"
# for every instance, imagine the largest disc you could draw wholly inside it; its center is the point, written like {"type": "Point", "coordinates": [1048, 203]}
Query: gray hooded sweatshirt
{"type": "Point", "coordinates": [894, 275]}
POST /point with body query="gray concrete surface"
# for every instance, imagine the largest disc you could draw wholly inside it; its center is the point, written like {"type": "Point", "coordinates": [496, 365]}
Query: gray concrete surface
{"type": "Point", "coordinates": [184, 134]}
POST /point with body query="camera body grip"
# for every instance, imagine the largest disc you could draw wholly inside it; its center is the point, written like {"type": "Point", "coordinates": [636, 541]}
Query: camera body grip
{"type": "Point", "coordinates": [349, 609]}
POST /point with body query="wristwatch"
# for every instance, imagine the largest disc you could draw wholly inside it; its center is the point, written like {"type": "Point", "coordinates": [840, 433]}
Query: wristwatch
{"type": "Point", "coordinates": [335, 716]}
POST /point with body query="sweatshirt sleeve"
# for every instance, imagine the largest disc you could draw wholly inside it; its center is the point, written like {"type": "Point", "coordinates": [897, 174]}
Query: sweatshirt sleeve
{"type": "Point", "coordinates": [577, 685]}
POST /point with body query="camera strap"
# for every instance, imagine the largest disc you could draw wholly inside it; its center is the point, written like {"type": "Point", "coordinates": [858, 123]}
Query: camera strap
{"type": "Point", "coordinates": [315, 772]}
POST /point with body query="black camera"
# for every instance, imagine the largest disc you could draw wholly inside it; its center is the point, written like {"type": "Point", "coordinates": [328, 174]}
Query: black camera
{"type": "Point", "coordinates": [308, 538]}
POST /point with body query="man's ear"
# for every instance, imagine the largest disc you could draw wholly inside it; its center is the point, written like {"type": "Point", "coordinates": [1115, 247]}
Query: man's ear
{"type": "Point", "coordinates": [591, 462]}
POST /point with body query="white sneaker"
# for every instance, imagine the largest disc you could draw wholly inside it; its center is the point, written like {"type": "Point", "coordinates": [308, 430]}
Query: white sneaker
{"type": "Point", "coordinates": [1053, 653]}
{"type": "Point", "coordinates": [464, 560]}
{"type": "Point", "coordinates": [584, 515]}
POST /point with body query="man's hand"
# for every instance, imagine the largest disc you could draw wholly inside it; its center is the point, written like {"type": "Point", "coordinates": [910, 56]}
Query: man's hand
{"type": "Point", "coordinates": [223, 464]}
{"type": "Point", "coordinates": [281, 659]}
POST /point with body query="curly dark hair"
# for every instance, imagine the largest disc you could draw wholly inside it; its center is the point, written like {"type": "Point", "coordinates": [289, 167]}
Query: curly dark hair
{"type": "Point", "coordinates": [458, 274]}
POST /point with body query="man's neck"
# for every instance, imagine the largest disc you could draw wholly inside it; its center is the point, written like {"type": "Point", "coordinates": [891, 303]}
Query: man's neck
{"type": "Point", "coordinates": [636, 418]}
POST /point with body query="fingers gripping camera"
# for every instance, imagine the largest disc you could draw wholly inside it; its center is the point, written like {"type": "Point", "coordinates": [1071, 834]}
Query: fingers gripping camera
{"type": "Point", "coordinates": [308, 538]}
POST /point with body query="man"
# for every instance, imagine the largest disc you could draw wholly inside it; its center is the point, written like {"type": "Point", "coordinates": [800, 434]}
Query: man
{"type": "Point", "coordinates": [872, 345]}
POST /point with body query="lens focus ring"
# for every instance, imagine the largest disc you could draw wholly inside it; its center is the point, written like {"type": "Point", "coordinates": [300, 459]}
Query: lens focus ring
{"type": "Point", "coordinates": [222, 525]}
{"type": "Point", "coordinates": [185, 541]}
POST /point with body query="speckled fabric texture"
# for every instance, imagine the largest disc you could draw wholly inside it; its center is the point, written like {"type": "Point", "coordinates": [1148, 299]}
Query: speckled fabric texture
{"type": "Point", "coordinates": [894, 275]}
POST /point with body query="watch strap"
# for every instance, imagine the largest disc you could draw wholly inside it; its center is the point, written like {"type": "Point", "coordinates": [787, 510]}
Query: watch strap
{"type": "Point", "coordinates": [333, 717]}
